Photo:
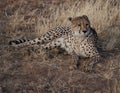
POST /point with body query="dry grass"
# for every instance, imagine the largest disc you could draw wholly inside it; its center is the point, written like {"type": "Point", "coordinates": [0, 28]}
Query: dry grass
{"type": "Point", "coordinates": [30, 70]}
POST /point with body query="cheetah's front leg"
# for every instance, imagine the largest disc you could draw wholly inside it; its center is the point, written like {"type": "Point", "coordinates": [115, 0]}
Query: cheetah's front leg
{"type": "Point", "coordinates": [75, 63]}
{"type": "Point", "coordinates": [93, 61]}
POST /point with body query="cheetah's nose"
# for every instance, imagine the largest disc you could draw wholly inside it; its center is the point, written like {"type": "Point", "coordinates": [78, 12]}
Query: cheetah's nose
{"type": "Point", "coordinates": [84, 31]}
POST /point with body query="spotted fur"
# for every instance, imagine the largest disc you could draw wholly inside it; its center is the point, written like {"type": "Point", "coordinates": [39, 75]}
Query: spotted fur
{"type": "Point", "coordinates": [47, 37]}
{"type": "Point", "coordinates": [79, 39]}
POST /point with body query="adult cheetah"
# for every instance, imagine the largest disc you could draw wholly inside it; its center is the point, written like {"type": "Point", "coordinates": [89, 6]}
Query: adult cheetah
{"type": "Point", "coordinates": [79, 40]}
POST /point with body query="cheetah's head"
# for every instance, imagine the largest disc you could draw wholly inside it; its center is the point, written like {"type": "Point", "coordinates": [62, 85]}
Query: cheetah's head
{"type": "Point", "coordinates": [82, 23]}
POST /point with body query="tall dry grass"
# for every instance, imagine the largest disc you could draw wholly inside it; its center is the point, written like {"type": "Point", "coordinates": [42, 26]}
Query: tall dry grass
{"type": "Point", "coordinates": [102, 13]}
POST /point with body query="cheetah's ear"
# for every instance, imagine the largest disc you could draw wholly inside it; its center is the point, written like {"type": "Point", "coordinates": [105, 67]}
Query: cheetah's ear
{"type": "Point", "coordinates": [70, 18]}
{"type": "Point", "coordinates": [85, 17]}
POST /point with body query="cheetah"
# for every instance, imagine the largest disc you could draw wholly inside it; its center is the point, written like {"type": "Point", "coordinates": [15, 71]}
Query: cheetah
{"type": "Point", "coordinates": [78, 40]}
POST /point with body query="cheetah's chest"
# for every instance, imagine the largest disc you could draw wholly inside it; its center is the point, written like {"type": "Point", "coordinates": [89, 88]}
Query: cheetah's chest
{"type": "Point", "coordinates": [80, 46]}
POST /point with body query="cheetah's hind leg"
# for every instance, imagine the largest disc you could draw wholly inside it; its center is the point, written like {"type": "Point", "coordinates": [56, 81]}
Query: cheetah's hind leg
{"type": "Point", "coordinates": [50, 46]}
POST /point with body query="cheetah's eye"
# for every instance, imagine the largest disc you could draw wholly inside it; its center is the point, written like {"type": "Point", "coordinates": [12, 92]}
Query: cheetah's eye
{"type": "Point", "coordinates": [87, 24]}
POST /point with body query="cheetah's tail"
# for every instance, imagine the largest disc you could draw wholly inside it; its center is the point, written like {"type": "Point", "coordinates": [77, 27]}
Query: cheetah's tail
{"type": "Point", "coordinates": [19, 41]}
{"type": "Point", "coordinates": [24, 42]}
